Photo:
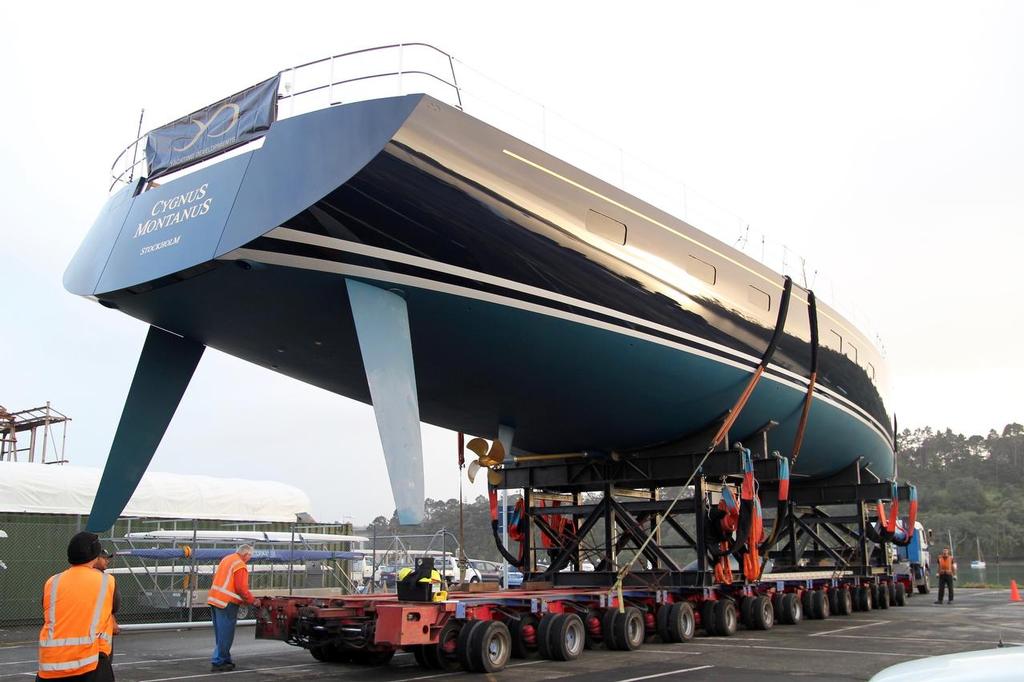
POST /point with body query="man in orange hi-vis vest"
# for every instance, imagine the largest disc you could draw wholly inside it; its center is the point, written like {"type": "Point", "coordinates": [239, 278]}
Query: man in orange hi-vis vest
{"type": "Point", "coordinates": [947, 572]}
{"type": "Point", "coordinates": [78, 624]}
{"type": "Point", "coordinates": [230, 588]}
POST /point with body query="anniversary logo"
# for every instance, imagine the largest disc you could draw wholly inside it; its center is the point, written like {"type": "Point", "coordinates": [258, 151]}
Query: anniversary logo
{"type": "Point", "coordinates": [173, 211]}
{"type": "Point", "coordinates": [231, 122]}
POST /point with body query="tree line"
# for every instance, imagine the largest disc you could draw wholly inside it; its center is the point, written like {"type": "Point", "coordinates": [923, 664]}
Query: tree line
{"type": "Point", "coordinates": [969, 487]}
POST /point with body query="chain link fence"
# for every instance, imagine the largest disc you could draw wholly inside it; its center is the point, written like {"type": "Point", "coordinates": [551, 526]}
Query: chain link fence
{"type": "Point", "coordinates": [165, 589]}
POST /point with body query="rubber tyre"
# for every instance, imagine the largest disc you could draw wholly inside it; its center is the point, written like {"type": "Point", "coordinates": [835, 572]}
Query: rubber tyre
{"type": "Point", "coordinates": [726, 617]}
{"type": "Point", "coordinates": [882, 597]}
{"type": "Point", "coordinates": [845, 602]}
{"type": "Point", "coordinates": [876, 597]}
{"type": "Point", "coordinates": [707, 618]}
{"type": "Point", "coordinates": [322, 653]}
{"type": "Point", "coordinates": [490, 646]}
{"type": "Point", "coordinates": [628, 629]}
{"type": "Point", "coordinates": [926, 588]}
{"type": "Point", "coordinates": [792, 609]}
{"type": "Point", "coordinates": [777, 603]}
{"type": "Point", "coordinates": [567, 637]}
{"type": "Point", "coordinates": [833, 601]}
{"type": "Point", "coordinates": [865, 600]}
{"type": "Point", "coordinates": [892, 593]}
{"type": "Point", "coordinates": [746, 606]}
{"type": "Point", "coordinates": [543, 632]}
{"type": "Point", "coordinates": [901, 594]}
{"type": "Point", "coordinates": [762, 613]}
{"type": "Point", "coordinates": [661, 623]}
{"type": "Point", "coordinates": [856, 592]}
{"type": "Point", "coordinates": [607, 627]}
{"type": "Point", "coordinates": [462, 648]}
{"type": "Point", "coordinates": [519, 629]}
{"type": "Point", "coordinates": [436, 656]}
{"type": "Point", "coordinates": [819, 602]}
{"type": "Point", "coordinates": [808, 604]}
{"type": "Point", "coordinates": [682, 625]}
{"type": "Point", "coordinates": [372, 658]}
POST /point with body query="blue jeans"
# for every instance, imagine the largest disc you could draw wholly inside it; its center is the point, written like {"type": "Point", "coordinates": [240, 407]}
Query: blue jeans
{"type": "Point", "coordinates": [223, 633]}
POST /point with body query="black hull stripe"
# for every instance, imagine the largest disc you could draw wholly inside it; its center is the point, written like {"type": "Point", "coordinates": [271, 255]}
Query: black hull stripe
{"type": "Point", "coordinates": [322, 253]}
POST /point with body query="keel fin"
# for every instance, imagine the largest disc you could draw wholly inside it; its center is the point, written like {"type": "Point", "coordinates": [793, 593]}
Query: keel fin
{"type": "Point", "coordinates": [165, 369]}
{"type": "Point", "coordinates": [385, 343]}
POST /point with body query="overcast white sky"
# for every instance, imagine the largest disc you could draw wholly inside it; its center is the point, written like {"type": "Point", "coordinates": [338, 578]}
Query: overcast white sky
{"type": "Point", "coordinates": [883, 141]}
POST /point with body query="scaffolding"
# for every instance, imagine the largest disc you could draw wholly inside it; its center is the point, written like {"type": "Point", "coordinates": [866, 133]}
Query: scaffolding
{"type": "Point", "coordinates": [38, 422]}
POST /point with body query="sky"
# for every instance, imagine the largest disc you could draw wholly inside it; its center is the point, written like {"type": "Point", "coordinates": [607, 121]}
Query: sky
{"type": "Point", "coordinates": [881, 141]}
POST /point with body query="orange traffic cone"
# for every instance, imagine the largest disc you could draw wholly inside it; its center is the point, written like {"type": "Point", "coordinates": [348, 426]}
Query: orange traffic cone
{"type": "Point", "coordinates": [1014, 594]}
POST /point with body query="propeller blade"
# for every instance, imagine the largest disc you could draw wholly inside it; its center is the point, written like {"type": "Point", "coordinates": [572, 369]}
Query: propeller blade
{"type": "Point", "coordinates": [472, 470]}
{"type": "Point", "coordinates": [478, 446]}
{"type": "Point", "coordinates": [165, 369]}
{"type": "Point", "coordinates": [494, 456]}
{"type": "Point", "coordinates": [385, 343]}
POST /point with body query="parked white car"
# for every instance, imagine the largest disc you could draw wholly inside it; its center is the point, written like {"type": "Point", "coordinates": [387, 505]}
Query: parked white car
{"type": "Point", "coordinates": [990, 665]}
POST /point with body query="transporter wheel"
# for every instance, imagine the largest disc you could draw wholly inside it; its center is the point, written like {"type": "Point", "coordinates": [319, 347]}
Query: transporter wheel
{"type": "Point", "coordinates": [490, 646]}
{"type": "Point", "coordinates": [681, 622]}
{"type": "Point", "coordinates": [777, 603]}
{"type": "Point", "coordinates": [865, 599]}
{"type": "Point", "coordinates": [844, 600]}
{"type": "Point", "coordinates": [442, 656]}
{"type": "Point", "coordinates": [462, 643]}
{"type": "Point", "coordinates": [568, 637]}
{"type": "Point", "coordinates": [807, 602]}
{"type": "Point", "coordinates": [726, 617]}
{"type": "Point", "coordinates": [819, 602]}
{"type": "Point", "coordinates": [900, 594]}
{"type": "Point", "coordinates": [595, 634]}
{"type": "Point", "coordinates": [792, 609]}
{"type": "Point", "coordinates": [628, 629]}
{"type": "Point", "coordinates": [707, 618]}
{"type": "Point", "coordinates": [856, 592]}
{"type": "Point", "coordinates": [608, 627]}
{"type": "Point", "coordinates": [746, 606]}
{"type": "Point", "coordinates": [882, 596]}
{"type": "Point", "coordinates": [762, 613]}
{"type": "Point", "coordinates": [369, 657]}
{"type": "Point", "coordinates": [543, 634]}
{"type": "Point", "coordinates": [417, 653]}
{"type": "Point", "coordinates": [661, 623]}
{"type": "Point", "coordinates": [892, 593]}
{"type": "Point", "coordinates": [833, 600]}
{"type": "Point", "coordinates": [322, 653]}
{"type": "Point", "coordinates": [524, 636]}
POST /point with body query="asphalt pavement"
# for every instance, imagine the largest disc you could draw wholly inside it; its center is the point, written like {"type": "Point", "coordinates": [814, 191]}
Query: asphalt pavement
{"type": "Point", "coordinates": [840, 648]}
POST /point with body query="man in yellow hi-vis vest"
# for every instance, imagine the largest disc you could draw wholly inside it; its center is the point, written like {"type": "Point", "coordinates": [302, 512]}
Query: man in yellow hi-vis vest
{"type": "Point", "coordinates": [230, 588]}
{"type": "Point", "coordinates": [74, 643]}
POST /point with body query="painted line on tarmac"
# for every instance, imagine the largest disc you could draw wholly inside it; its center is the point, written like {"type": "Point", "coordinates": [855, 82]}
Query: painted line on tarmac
{"type": "Point", "coordinates": [824, 651]}
{"type": "Point", "coordinates": [231, 672]}
{"type": "Point", "coordinates": [928, 639]}
{"type": "Point", "coordinates": [670, 672]}
{"type": "Point", "coordinates": [668, 651]}
{"type": "Point", "coordinates": [851, 627]}
{"type": "Point", "coordinates": [431, 677]}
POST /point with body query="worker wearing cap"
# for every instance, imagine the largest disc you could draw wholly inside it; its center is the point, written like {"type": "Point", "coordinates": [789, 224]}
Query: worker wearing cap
{"type": "Point", "coordinates": [102, 564]}
{"type": "Point", "coordinates": [230, 588]}
{"type": "Point", "coordinates": [74, 643]}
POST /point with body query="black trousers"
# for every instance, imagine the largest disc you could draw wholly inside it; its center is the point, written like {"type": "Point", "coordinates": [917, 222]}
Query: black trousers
{"type": "Point", "coordinates": [945, 580]}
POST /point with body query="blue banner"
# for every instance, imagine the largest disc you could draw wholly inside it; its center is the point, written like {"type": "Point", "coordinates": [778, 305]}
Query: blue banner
{"type": "Point", "coordinates": [233, 121]}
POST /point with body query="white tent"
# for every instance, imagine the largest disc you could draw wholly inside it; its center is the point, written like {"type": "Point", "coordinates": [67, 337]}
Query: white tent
{"type": "Point", "coordinates": [49, 489]}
